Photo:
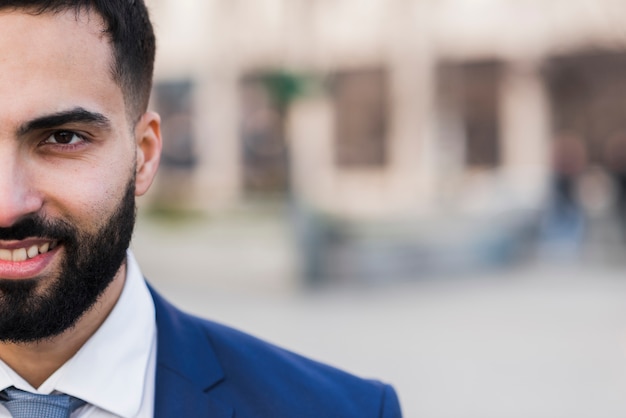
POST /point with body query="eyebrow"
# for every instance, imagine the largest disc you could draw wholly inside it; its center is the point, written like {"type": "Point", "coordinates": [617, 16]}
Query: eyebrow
{"type": "Point", "coordinates": [55, 120]}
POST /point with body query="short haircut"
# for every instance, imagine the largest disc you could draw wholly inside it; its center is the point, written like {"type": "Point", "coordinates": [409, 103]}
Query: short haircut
{"type": "Point", "coordinates": [128, 27]}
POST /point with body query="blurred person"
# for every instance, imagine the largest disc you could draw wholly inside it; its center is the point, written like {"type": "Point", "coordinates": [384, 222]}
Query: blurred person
{"type": "Point", "coordinates": [564, 222]}
{"type": "Point", "coordinates": [80, 329]}
{"type": "Point", "coordinates": [614, 153]}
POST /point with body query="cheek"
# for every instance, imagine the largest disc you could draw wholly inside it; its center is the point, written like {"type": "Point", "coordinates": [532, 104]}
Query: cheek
{"type": "Point", "coordinates": [86, 197]}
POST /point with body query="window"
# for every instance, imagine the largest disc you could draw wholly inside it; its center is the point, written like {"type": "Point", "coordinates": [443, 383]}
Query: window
{"type": "Point", "coordinates": [174, 102]}
{"type": "Point", "coordinates": [470, 92]}
{"type": "Point", "coordinates": [264, 151]}
{"type": "Point", "coordinates": [480, 105]}
{"type": "Point", "coordinates": [361, 108]}
{"type": "Point", "coordinates": [588, 96]}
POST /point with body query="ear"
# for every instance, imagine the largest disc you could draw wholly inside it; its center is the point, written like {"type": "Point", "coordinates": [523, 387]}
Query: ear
{"type": "Point", "coordinates": [149, 144]}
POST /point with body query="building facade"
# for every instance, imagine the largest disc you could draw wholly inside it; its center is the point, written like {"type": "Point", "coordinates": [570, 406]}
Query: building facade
{"type": "Point", "coordinates": [374, 109]}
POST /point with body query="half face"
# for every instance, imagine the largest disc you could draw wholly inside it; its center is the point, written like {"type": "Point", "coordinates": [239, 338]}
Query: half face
{"type": "Point", "coordinates": [70, 165]}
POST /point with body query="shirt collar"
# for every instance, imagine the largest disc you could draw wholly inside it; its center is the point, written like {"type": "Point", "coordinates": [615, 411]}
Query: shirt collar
{"type": "Point", "coordinates": [109, 370]}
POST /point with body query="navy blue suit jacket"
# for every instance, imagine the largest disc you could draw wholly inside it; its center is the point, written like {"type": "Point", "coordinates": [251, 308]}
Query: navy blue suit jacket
{"type": "Point", "coordinates": [207, 370]}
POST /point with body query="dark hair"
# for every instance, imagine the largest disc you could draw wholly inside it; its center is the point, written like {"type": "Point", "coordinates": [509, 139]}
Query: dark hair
{"type": "Point", "coordinates": [130, 32]}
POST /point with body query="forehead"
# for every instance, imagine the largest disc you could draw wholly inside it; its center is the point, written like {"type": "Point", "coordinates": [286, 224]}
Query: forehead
{"type": "Point", "coordinates": [52, 61]}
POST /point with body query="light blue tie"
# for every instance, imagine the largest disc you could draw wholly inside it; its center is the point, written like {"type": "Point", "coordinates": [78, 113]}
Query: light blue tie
{"type": "Point", "coordinates": [32, 405]}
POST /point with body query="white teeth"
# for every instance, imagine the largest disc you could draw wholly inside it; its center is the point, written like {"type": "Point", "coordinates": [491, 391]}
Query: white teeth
{"type": "Point", "coordinates": [32, 251]}
{"type": "Point", "coordinates": [20, 254]}
{"type": "Point", "coordinates": [44, 248]}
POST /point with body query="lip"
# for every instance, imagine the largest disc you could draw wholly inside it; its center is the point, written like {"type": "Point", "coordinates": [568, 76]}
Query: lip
{"type": "Point", "coordinates": [27, 269]}
{"type": "Point", "coordinates": [12, 245]}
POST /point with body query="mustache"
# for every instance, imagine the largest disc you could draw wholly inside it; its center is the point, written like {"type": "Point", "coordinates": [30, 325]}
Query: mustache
{"type": "Point", "coordinates": [39, 227]}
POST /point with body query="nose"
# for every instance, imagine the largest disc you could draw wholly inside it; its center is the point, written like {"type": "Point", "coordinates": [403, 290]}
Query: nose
{"type": "Point", "coordinates": [18, 196]}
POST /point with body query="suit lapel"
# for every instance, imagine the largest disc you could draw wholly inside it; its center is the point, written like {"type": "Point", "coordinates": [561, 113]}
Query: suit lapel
{"type": "Point", "coordinates": [187, 367]}
{"type": "Point", "coordinates": [176, 397]}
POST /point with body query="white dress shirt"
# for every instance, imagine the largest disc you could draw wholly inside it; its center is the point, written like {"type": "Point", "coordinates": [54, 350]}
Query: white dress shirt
{"type": "Point", "coordinates": [114, 371]}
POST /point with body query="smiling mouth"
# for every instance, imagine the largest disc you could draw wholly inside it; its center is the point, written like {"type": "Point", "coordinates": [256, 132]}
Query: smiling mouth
{"type": "Point", "coordinates": [26, 253]}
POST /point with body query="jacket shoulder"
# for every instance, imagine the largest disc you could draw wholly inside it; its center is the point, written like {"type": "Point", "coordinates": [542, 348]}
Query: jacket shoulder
{"type": "Point", "coordinates": [274, 375]}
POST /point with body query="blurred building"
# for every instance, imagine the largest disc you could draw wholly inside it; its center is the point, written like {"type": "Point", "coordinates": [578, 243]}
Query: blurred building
{"type": "Point", "coordinates": [383, 109]}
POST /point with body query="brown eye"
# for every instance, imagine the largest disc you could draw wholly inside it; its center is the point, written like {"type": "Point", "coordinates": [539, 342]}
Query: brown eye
{"type": "Point", "coordinates": [64, 138]}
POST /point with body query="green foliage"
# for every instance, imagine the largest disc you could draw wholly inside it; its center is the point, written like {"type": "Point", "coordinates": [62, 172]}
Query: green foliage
{"type": "Point", "coordinates": [285, 86]}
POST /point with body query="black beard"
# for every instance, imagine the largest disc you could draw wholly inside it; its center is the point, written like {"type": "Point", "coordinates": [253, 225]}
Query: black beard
{"type": "Point", "coordinates": [90, 263]}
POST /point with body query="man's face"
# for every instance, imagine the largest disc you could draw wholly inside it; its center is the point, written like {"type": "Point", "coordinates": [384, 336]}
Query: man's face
{"type": "Point", "coordinates": [70, 166]}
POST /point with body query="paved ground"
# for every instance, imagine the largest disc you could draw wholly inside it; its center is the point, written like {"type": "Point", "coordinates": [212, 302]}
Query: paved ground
{"type": "Point", "coordinates": [537, 341]}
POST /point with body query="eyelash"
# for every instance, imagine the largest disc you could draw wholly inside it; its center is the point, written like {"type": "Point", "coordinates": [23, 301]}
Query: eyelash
{"type": "Point", "coordinates": [68, 146]}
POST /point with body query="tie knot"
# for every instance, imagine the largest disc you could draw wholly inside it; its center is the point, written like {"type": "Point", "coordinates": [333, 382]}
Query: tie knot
{"type": "Point", "coordinates": [23, 404]}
